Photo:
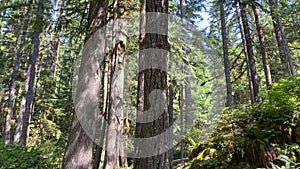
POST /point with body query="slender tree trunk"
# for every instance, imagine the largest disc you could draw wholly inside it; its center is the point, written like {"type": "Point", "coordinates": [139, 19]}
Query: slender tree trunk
{"type": "Point", "coordinates": [18, 129]}
{"type": "Point", "coordinates": [229, 99]}
{"type": "Point", "coordinates": [19, 125]}
{"type": "Point", "coordinates": [252, 64]}
{"type": "Point", "coordinates": [79, 150]}
{"type": "Point", "coordinates": [105, 92]}
{"type": "Point", "coordinates": [99, 146]}
{"type": "Point", "coordinates": [55, 38]}
{"type": "Point", "coordinates": [141, 74]}
{"type": "Point", "coordinates": [12, 93]}
{"type": "Point", "coordinates": [13, 85]}
{"type": "Point", "coordinates": [284, 65]}
{"type": "Point", "coordinates": [246, 55]}
{"type": "Point", "coordinates": [115, 114]}
{"type": "Point", "coordinates": [121, 56]}
{"type": "Point", "coordinates": [31, 74]}
{"type": "Point", "coordinates": [187, 101]}
{"type": "Point", "coordinates": [186, 67]}
{"type": "Point", "coordinates": [263, 49]}
{"type": "Point", "coordinates": [154, 79]}
{"type": "Point", "coordinates": [182, 130]}
{"type": "Point", "coordinates": [281, 36]}
{"type": "Point", "coordinates": [53, 50]}
{"type": "Point", "coordinates": [171, 102]}
{"type": "Point", "coordinates": [185, 91]}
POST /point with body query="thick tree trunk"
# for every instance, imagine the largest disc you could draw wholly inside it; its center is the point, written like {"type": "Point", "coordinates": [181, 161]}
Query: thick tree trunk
{"type": "Point", "coordinates": [79, 150]}
{"type": "Point", "coordinates": [252, 64]}
{"type": "Point", "coordinates": [31, 74]}
{"type": "Point", "coordinates": [263, 49]}
{"type": "Point", "coordinates": [154, 79]}
{"type": "Point", "coordinates": [229, 100]}
{"type": "Point", "coordinates": [282, 42]}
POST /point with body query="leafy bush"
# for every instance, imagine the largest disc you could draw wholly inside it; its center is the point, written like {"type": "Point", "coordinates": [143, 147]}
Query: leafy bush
{"type": "Point", "coordinates": [20, 157]}
{"type": "Point", "coordinates": [16, 156]}
{"type": "Point", "coordinates": [289, 164]}
{"type": "Point", "coordinates": [254, 135]}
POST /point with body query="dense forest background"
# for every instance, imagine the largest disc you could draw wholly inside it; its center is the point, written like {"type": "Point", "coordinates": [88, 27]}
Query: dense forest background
{"type": "Point", "coordinates": [232, 89]}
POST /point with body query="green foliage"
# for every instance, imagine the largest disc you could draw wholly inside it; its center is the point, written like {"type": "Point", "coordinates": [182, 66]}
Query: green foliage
{"type": "Point", "coordinates": [48, 155]}
{"type": "Point", "coordinates": [289, 164]}
{"type": "Point", "coordinates": [17, 156]}
{"type": "Point", "coordinates": [255, 134]}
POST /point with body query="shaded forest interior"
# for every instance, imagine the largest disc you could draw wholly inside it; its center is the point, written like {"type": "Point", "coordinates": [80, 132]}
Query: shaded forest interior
{"type": "Point", "coordinates": [143, 84]}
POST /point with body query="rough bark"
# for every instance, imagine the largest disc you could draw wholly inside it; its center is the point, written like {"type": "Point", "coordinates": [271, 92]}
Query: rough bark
{"type": "Point", "coordinates": [263, 49]}
{"type": "Point", "coordinates": [141, 74]}
{"type": "Point", "coordinates": [31, 74]}
{"type": "Point", "coordinates": [249, 45]}
{"type": "Point", "coordinates": [155, 79]}
{"type": "Point", "coordinates": [115, 113]}
{"type": "Point", "coordinates": [105, 102]}
{"type": "Point", "coordinates": [79, 150]}
{"type": "Point", "coordinates": [229, 100]}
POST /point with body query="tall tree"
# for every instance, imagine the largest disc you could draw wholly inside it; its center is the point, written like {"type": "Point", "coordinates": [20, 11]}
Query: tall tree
{"type": "Point", "coordinates": [55, 37]}
{"type": "Point", "coordinates": [186, 104]}
{"type": "Point", "coordinates": [281, 36]}
{"type": "Point", "coordinates": [79, 150]}
{"type": "Point", "coordinates": [114, 140]}
{"type": "Point", "coordinates": [154, 79]}
{"type": "Point", "coordinates": [186, 67]}
{"type": "Point", "coordinates": [241, 29]}
{"type": "Point", "coordinates": [31, 72]}
{"type": "Point", "coordinates": [249, 45]}
{"type": "Point", "coordinates": [229, 101]}
{"type": "Point", "coordinates": [16, 69]}
{"type": "Point", "coordinates": [105, 101]}
{"type": "Point", "coordinates": [263, 49]}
